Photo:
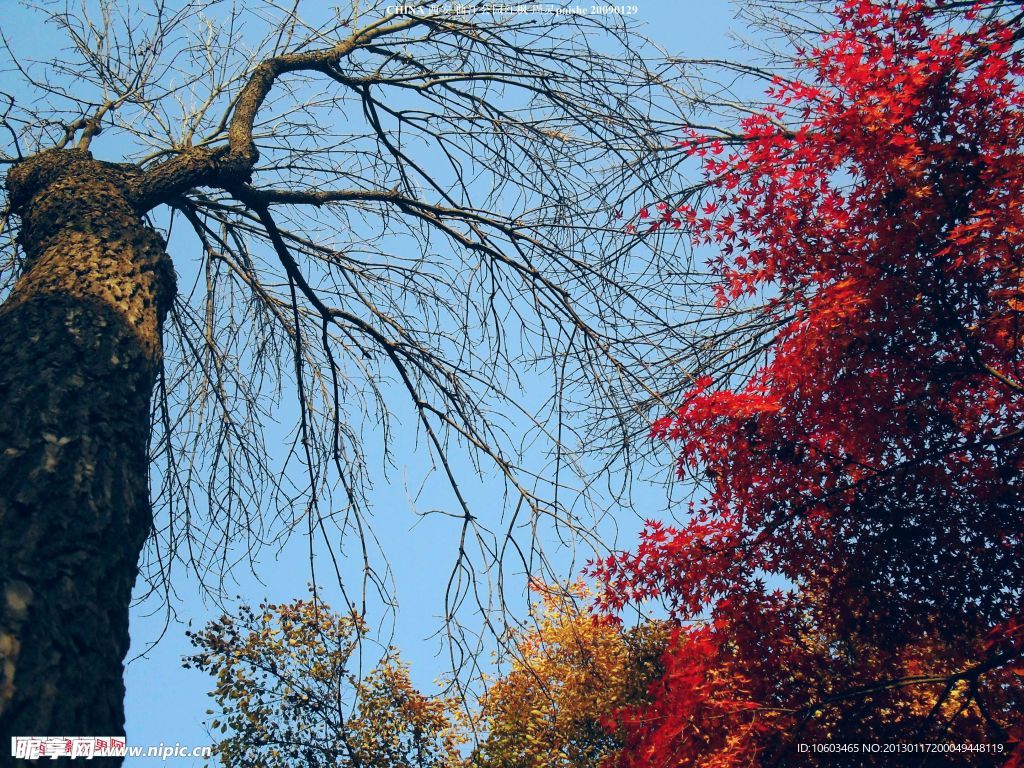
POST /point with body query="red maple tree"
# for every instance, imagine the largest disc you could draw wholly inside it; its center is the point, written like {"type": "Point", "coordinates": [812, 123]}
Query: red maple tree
{"type": "Point", "coordinates": [873, 465]}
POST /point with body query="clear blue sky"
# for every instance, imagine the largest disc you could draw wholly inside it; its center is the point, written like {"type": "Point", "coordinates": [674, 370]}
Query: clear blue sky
{"type": "Point", "coordinates": [167, 704]}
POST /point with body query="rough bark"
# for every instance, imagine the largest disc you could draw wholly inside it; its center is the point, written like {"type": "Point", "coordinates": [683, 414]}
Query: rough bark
{"type": "Point", "coordinates": [79, 353]}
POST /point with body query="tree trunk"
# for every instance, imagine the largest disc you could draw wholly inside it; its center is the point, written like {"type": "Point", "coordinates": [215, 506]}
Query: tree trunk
{"type": "Point", "coordinates": [79, 353]}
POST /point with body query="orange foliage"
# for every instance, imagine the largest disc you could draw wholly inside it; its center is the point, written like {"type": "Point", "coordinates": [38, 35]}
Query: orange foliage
{"type": "Point", "coordinates": [569, 673]}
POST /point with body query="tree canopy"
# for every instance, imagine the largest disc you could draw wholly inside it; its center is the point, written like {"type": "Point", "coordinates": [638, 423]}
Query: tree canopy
{"type": "Point", "coordinates": [853, 573]}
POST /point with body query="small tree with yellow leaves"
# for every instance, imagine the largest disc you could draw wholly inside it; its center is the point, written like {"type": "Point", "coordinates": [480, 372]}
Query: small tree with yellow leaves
{"type": "Point", "coordinates": [288, 695]}
{"type": "Point", "coordinates": [569, 674]}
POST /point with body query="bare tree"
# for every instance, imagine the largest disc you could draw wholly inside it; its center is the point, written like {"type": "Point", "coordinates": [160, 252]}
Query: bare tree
{"type": "Point", "coordinates": [382, 204]}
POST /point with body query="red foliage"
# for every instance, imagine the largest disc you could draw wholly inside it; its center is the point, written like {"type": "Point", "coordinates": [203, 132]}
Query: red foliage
{"type": "Point", "coordinates": [875, 461]}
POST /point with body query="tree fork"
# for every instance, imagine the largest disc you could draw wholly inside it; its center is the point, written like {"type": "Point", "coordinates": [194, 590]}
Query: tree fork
{"type": "Point", "coordinates": [80, 345]}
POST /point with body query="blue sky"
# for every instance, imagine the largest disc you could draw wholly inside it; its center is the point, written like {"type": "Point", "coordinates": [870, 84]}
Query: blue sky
{"type": "Point", "coordinates": [166, 703]}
